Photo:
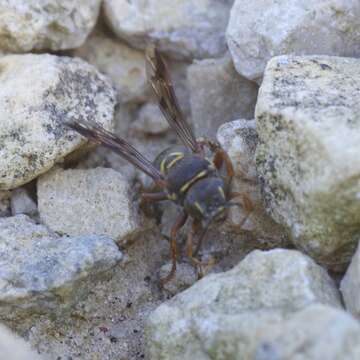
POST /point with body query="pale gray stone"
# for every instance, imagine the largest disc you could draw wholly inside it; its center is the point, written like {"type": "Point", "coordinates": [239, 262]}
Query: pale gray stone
{"type": "Point", "coordinates": [42, 273]}
{"type": "Point", "coordinates": [261, 29]}
{"type": "Point", "coordinates": [350, 285]}
{"type": "Point", "coordinates": [181, 28]}
{"type": "Point", "coordinates": [23, 203]}
{"type": "Point", "coordinates": [150, 120]}
{"type": "Point", "coordinates": [12, 347]}
{"type": "Point", "coordinates": [91, 201]}
{"type": "Point", "coordinates": [223, 313]}
{"type": "Point", "coordinates": [308, 125]}
{"type": "Point", "coordinates": [239, 139]}
{"type": "Point", "coordinates": [218, 94]}
{"type": "Point", "coordinates": [37, 94]}
{"type": "Point", "coordinates": [46, 24]}
{"type": "Point", "coordinates": [124, 65]}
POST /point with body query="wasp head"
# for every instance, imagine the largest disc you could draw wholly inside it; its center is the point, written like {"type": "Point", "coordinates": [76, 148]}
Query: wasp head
{"type": "Point", "coordinates": [206, 200]}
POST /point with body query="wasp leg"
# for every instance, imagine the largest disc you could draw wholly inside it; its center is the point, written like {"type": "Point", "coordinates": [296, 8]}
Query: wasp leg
{"type": "Point", "coordinates": [158, 196]}
{"type": "Point", "coordinates": [246, 204]}
{"type": "Point", "coordinates": [180, 221]}
{"type": "Point", "coordinates": [196, 225]}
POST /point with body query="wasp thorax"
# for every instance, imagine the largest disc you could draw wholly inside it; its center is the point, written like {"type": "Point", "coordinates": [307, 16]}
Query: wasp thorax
{"type": "Point", "coordinates": [206, 199]}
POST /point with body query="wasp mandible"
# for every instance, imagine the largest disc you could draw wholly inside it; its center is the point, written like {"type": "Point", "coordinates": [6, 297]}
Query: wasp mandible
{"type": "Point", "coordinates": [186, 177]}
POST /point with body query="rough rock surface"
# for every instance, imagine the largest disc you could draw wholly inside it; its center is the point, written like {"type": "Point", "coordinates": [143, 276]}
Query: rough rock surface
{"type": "Point", "coordinates": [46, 24]}
{"type": "Point", "coordinates": [221, 313]}
{"type": "Point", "coordinates": [37, 94]}
{"type": "Point", "coordinates": [308, 125]}
{"type": "Point", "coordinates": [218, 94]}
{"type": "Point", "coordinates": [124, 65]}
{"type": "Point", "coordinates": [44, 273]}
{"type": "Point", "coordinates": [181, 28]}
{"type": "Point", "coordinates": [23, 203]}
{"type": "Point", "coordinates": [94, 201]}
{"type": "Point", "coordinates": [261, 29]}
{"type": "Point", "coordinates": [350, 285]}
{"type": "Point", "coordinates": [5, 208]}
{"type": "Point", "coordinates": [239, 139]}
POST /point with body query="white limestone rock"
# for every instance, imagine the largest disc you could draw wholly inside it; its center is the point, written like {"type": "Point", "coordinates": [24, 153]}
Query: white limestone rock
{"type": "Point", "coordinates": [46, 24]}
{"type": "Point", "coordinates": [181, 28]}
{"type": "Point", "coordinates": [93, 201]}
{"type": "Point", "coordinates": [308, 125]}
{"type": "Point", "coordinates": [42, 273]}
{"type": "Point", "coordinates": [218, 94]}
{"type": "Point", "coordinates": [227, 314]}
{"type": "Point", "coordinates": [239, 139]}
{"type": "Point", "coordinates": [261, 29]}
{"type": "Point", "coordinates": [124, 65]}
{"type": "Point", "coordinates": [37, 94]}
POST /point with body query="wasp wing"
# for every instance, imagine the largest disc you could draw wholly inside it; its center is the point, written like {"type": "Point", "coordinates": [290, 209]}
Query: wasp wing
{"type": "Point", "coordinates": [159, 78]}
{"type": "Point", "coordinates": [96, 133]}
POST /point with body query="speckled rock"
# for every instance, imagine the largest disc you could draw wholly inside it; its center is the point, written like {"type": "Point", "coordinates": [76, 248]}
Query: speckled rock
{"type": "Point", "coordinates": [308, 120]}
{"type": "Point", "coordinates": [14, 348]}
{"type": "Point", "coordinates": [239, 139]}
{"type": "Point", "coordinates": [41, 272]}
{"type": "Point", "coordinates": [261, 29]}
{"type": "Point", "coordinates": [37, 94]}
{"type": "Point", "coordinates": [46, 24]}
{"type": "Point", "coordinates": [317, 332]}
{"type": "Point", "coordinates": [350, 285]}
{"type": "Point", "coordinates": [181, 28]}
{"type": "Point", "coordinates": [23, 203]}
{"type": "Point", "coordinates": [94, 201]}
{"type": "Point", "coordinates": [124, 65]}
{"type": "Point", "coordinates": [218, 94]}
{"type": "Point", "coordinates": [221, 313]}
{"type": "Point", "coordinates": [150, 120]}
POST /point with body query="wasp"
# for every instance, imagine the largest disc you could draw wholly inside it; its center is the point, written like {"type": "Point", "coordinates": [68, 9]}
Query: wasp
{"type": "Point", "coordinates": [187, 177]}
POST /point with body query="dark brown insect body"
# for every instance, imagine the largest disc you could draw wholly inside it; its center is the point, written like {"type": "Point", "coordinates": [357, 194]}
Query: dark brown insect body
{"type": "Point", "coordinates": [183, 176]}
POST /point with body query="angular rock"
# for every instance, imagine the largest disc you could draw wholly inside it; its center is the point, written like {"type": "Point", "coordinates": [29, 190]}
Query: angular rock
{"type": "Point", "coordinates": [94, 201]}
{"type": "Point", "coordinates": [221, 314]}
{"type": "Point", "coordinates": [37, 94]}
{"type": "Point", "coordinates": [259, 30]}
{"type": "Point", "coordinates": [46, 24]}
{"type": "Point", "coordinates": [23, 203]}
{"type": "Point", "coordinates": [350, 285]}
{"type": "Point", "coordinates": [43, 273]}
{"type": "Point", "coordinates": [307, 122]}
{"type": "Point", "coordinates": [218, 94]}
{"type": "Point", "coordinates": [317, 332]}
{"type": "Point", "coordinates": [124, 65]}
{"type": "Point", "coordinates": [181, 28]}
{"type": "Point", "coordinates": [239, 139]}
{"type": "Point", "coordinates": [14, 348]}
{"type": "Point", "coordinates": [150, 120]}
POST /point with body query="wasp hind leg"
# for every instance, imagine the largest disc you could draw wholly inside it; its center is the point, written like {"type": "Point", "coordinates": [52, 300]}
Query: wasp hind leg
{"type": "Point", "coordinates": [180, 222]}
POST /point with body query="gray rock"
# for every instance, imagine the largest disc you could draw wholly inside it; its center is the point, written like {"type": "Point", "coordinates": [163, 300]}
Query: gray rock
{"type": "Point", "coordinates": [181, 28]}
{"type": "Point", "coordinates": [94, 201]}
{"type": "Point", "coordinates": [5, 209]}
{"type": "Point", "coordinates": [239, 139]}
{"type": "Point", "coordinates": [46, 24]}
{"type": "Point", "coordinates": [150, 120]}
{"type": "Point", "coordinates": [37, 94]}
{"type": "Point", "coordinates": [14, 348]}
{"type": "Point", "coordinates": [317, 332]}
{"type": "Point", "coordinates": [220, 316]}
{"type": "Point", "coordinates": [42, 273]}
{"type": "Point", "coordinates": [218, 95]}
{"type": "Point", "coordinates": [350, 285]}
{"type": "Point", "coordinates": [307, 121]}
{"type": "Point", "coordinates": [261, 29]}
{"type": "Point", "coordinates": [124, 65]}
{"type": "Point", "coordinates": [23, 203]}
